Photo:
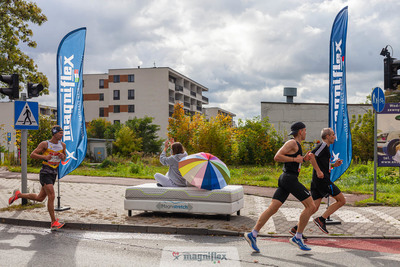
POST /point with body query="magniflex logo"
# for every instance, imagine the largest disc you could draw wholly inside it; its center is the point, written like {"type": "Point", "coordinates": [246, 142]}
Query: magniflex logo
{"type": "Point", "coordinates": [200, 256]}
{"type": "Point", "coordinates": [337, 79]}
{"type": "Point", "coordinates": [215, 257]}
{"type": "Point", "coordinates": [67, 88]}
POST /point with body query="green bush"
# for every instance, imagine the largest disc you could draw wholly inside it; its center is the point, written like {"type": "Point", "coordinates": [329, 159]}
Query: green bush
{"type": "Point", "coordinates": [136, 168]}
{"type": "Point", "coordinates": [107, 163]}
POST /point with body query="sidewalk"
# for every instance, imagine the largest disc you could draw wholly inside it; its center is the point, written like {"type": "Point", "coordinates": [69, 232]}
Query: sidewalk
{"type": "Point", "coordinates": [97, 203]}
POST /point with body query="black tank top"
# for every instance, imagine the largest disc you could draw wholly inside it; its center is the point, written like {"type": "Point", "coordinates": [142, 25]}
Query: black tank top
{"type": "Point", "coordinates": [293, 167]}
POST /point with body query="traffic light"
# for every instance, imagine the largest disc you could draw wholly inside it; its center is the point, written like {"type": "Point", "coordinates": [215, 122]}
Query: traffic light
{"type": "Point", "coordinates": [391, 77]}
{"type": "Point", "coordinates": [13, 91]}
{"type": "Point", "coordinates": [34, 89]}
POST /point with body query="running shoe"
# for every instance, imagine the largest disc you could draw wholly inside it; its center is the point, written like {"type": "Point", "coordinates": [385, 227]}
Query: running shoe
{"type": "Point", "coordinates": [56, 225]}
{"type": "Point", "coordinates": [14, 196]}
{"type": "Point", "coordinates": [293, 232]}
{"type": "Point", "coordinates": [299, 243]}
{"type": "Point", "coordinates": [321, 225]}
{"type": "Point", "coordinates": [252, 241]}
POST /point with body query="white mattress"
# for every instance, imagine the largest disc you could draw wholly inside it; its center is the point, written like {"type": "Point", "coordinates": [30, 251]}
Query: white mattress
{"type": "Point", "coordinates": [151, 191]}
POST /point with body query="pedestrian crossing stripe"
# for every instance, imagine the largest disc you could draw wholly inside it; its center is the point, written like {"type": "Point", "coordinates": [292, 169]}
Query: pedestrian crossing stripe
{"type": "Point", "coordinates": [389, 219]}
{"type": "Point", "coordinates": [26, 115]}
{"type": "Point", "coordinates": [292, 214]}
{"type": "Point", "coordinates": [351, 216]}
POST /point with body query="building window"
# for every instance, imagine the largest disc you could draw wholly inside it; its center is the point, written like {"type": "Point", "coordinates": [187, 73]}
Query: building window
{"type": "Point", "coordinates": [116, 109]}
{"type": "Point", "coordinates": [131, 94]}
{"type": "Point", "coordinates": [101, 97]}
{"type": "Point", "coordinates": [131, 78]}
{"type": "Point", "coordinates": [101, 112]}
{"type": "Point", "coordinates": [117, 121]}
{"type": "Point", "coordinates": [131, 108]}
{"type": "Point", "coordinates": [116, 94]}
{"type": "Point", "coordinates": [116, 78]}
{"type": "Point", "coordinates": [101, 83]}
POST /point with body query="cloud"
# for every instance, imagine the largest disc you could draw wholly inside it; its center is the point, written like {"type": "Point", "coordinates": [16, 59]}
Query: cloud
{"type": "Point", "coordinates": [244, 51]}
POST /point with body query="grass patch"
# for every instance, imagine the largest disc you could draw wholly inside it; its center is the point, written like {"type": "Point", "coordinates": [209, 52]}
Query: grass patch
{"type": "Point", "coordinates": [29, 206]}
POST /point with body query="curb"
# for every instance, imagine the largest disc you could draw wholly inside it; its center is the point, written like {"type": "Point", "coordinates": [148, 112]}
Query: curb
{"type": "Point", "coordinates": [168, 230]}
{"type": "Point", "coordinates": [123, 228]}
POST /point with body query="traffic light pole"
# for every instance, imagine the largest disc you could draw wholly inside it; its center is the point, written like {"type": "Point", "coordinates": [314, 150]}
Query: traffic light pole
{"type": "Point", "coordinates": [24, 159]}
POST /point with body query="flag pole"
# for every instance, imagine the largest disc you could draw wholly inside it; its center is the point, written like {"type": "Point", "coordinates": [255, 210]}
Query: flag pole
{"type": "Point", "coordinates": [58, 207]}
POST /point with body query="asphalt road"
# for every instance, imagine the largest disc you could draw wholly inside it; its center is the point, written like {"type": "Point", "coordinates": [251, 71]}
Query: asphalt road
{"type": "Point", "coordinates": [29, 246]}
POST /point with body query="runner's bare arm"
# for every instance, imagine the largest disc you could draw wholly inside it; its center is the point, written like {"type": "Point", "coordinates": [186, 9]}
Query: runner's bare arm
{"type": "Point", "coordinates": [290, 147]}
{"type": "Point", "coordinates": [37, 153]}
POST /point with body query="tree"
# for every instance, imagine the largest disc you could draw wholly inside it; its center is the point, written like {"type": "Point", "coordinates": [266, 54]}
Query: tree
{"type": "Point", "coordinates": [258, 141]}
{"type": "Point", "coordinates": [126, 142]}
{"type": "Point", "coordinates": [147, 131]}
{"type": "Point", "coordinates": [362, 134]}
{"type": "Point", "coordinates": [179, 127]}
{"type": "Point", "coordinates": [97, 128]}
{"type": "Point", "coordinates": [15, 18]}
{"type": "Point", "coordinates": [215, 136]}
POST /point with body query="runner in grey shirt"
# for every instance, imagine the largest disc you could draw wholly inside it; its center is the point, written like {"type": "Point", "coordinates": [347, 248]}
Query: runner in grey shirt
{"type": "Point", "coordinates": [173, 178]}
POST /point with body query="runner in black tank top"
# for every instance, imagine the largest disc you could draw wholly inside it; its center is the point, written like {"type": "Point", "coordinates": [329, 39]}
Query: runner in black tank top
{"type": "Point", "coordinates": [293, 167]}
{"type": "Point", "coordinates": [291, 156]}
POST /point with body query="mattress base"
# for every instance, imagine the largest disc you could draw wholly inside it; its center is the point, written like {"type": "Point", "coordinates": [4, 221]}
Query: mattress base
{"type": "Point", "coordinates": [184, 206]}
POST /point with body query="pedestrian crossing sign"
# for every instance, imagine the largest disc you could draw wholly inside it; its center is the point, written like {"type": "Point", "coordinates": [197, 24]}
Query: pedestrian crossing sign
{"type": "Point", "coordinates": [26, 115]}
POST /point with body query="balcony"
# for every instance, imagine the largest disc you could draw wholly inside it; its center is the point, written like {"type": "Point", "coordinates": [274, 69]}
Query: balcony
{"type": "Point", "coordinates": [178, 88]}
{"type": "Point", "coordinates": [193, 93]}
{"type": "Point", "coordinates": [205, 99]}
{"type": "Point", "coordinates": [171, 85]}
{"type": "Point", "coordinates": [171, 99]}
{"type": "Point", "coordinates": [186, 104]}
{"type": "Point", "coordinates": [199, 108]}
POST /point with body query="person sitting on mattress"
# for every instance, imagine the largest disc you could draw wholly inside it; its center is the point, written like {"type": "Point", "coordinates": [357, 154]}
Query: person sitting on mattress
{"type": "Point", "coordinates": [173, 178]}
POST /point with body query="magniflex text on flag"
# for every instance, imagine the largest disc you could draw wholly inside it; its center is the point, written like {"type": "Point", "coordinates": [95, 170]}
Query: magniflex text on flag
{"type": "Point", "coordinates": [338, 115]}
{"type": "Point", "coordinates": [70, 99]}
{"type": "Point", "coordinates": [67, 85]}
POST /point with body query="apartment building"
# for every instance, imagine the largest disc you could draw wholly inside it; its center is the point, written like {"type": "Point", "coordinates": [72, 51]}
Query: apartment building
{"type": "Point", "coordinates": [122, 94]}
{"type": "Point", "coordinates": [215, 111]}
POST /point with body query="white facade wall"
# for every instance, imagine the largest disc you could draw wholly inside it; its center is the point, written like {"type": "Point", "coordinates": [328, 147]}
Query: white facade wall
{"type": "Point", "coordinates": [315, 116]}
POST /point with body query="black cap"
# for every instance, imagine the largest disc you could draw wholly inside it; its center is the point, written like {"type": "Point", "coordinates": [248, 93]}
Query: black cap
{"type": "Point", "coordinates": [296, 127]}
{"type": "Point", "coordinates": [56, 129]}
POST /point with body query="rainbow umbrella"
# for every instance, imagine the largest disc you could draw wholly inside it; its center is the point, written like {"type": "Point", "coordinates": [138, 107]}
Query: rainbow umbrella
{"type": "Point", "coordinates": [204, 171]}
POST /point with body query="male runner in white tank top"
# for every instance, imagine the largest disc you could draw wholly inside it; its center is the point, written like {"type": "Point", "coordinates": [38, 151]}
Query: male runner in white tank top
{"type": "Point", "coordinates": [51, 152]}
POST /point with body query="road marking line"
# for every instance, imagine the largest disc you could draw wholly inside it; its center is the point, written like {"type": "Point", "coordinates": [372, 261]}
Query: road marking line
{"type": "Point", "coordinates": [259, 207]}
{"type": "Point", "coordinates": [351, 216]}
{"type": "Point", "coordinates": [292, 214]}
{"type": "Point", "coordinates": [389, 219]}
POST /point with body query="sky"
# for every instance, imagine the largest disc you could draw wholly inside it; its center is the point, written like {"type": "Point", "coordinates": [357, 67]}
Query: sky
{"type": "Point", "coordinates": [244, 51]}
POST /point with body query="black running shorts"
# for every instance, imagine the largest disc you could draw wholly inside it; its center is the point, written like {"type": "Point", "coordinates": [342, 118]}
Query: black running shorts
{"type": "Point", "coordinates": [47, 178]}
{"type": "Point", "coordinates": [289, 184]}
{"type": "Point", "coordinates": [323, 189]}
